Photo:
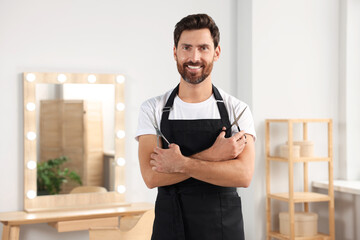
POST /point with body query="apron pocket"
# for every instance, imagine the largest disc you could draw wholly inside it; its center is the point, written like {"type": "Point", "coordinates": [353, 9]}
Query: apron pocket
{"type": "Point", "coordinates": [232, 220]}
{"type": "Point", "coordinates": [202, 216]}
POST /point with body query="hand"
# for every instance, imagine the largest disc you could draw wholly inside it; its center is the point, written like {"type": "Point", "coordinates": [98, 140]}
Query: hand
{"type": "Point", "coordinates": [167, 160]}
{"type": "Point", "coordinates": [227, 148]}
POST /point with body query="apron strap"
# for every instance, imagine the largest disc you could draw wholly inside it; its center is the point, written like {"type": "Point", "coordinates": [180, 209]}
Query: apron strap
{"type": "Point", "coordinates": [164, 123]}
{"type": "Point", "coordinates": [223, 112]}
{"type": "Point", "coordinates": [168, 106]}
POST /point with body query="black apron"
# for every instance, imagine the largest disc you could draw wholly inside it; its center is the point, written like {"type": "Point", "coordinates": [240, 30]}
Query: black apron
{"type": "Point", "coordinates": [193, 209]}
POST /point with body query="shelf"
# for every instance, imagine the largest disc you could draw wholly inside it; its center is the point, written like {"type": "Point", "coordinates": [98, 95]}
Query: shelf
{"type": "Point", "coordinates": [301, 197]}
{"type": "Point", "coordinates": [298, 120]}
{"type": "Point", "coordinates": [306, 197]}
{"type": "Point", "coordinates": [302, 159]}
{"type": "Point", "coordinates": [319, 236]}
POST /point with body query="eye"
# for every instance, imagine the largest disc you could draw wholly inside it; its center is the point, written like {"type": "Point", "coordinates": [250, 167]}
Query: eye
{"type": "Point", "coordinates": [186, 48]}
{"type": "Point", "coordinates": [204, 48]}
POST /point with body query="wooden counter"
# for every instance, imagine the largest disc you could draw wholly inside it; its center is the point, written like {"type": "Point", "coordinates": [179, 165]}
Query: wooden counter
{"type": "Point", "coordinates": [71, 220]}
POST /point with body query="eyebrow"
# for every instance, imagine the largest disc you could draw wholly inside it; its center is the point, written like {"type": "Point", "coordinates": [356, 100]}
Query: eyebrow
{"type": "Point", "coordinates": [200, 45]}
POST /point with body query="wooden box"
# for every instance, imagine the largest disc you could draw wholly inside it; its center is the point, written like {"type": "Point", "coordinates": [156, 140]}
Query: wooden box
{"type": "Point", "coordinates": [305, 224]}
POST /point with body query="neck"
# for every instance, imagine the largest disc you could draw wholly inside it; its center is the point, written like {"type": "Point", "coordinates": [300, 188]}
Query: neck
{"type": "Point", "coordinates": [194, 93]}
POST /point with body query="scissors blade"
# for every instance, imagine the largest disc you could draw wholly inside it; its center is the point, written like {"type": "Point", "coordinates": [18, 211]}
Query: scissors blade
{"type": "Point", "coordinates": [237, 125]}
{"type": "Point", "coordinates": [161, 135]}
{"type": "Point", "coordinates": [158, 132]}
{"type": "Point", "coordinates": [237, 119]}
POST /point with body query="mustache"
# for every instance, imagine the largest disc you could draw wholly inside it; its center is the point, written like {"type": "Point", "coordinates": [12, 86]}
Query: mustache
{"type": "Point", "coordinates": [193, 63]}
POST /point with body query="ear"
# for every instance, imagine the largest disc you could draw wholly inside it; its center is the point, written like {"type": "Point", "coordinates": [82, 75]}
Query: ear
{"type": "Point", "coordinates": [175, 56]}
{"type": "Point", "coordinates": [217, 53]}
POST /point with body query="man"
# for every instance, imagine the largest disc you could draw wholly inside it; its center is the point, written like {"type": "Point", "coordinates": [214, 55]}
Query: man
{"type": "Point", "coordinates": [207, 158]}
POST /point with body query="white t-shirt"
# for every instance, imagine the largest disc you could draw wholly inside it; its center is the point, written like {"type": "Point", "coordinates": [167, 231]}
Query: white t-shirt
{"type": "Point", "coordinates": [151, 112]}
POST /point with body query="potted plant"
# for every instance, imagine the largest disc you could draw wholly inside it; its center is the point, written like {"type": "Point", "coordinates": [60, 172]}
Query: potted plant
{"type": "Point", "coordinates": [51, 176]}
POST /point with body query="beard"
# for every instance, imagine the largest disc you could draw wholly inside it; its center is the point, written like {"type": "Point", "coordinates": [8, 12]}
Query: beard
{"type": "Point", "coordinates": [194, 78]}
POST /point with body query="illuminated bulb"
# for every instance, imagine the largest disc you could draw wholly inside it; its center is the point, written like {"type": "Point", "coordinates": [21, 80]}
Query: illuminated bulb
{"type": "Point", "coordinates": [30, 106]}
{"type": "Point", "coordinates": [61, 78]}
{"type": "Point", "coordinates": [120, 134]}
{"type": "Point", "coordinates": [31, 136]}
{"type": "Point", "coordinates": [120, 161]}
{"type": "Point", "coordinates": [120, 106]}
{"type": "Point", "coordinates": [31, 194]}
{"type": "Point", "coordinates": [91, 78]}
{"type": "Point", "coordinates": [120, 79]}
{"type": "Point", "coordinates": [31, 165]}
{"type": "Point", "coordinates": [30, 77]}
{"type": "Point", "coordinates": [121, 189]}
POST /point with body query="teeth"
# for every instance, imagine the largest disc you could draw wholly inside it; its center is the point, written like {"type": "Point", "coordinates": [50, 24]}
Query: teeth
{"type": "Point", "coordinates": [194, 67]}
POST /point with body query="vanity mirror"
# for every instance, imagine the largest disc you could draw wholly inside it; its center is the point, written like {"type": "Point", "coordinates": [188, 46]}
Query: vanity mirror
{"type": "Point", "coordinates": [80, 116]}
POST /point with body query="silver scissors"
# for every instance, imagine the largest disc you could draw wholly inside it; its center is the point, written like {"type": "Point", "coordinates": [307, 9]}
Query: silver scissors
{"type": "Point", "coordinates": [158, 132]}
{"type": "Point", "coordinates": [236, 119]}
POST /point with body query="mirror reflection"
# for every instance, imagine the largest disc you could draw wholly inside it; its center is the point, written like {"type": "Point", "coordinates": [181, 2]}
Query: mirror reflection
{"type": "Point", "coordinates": [75, 131]}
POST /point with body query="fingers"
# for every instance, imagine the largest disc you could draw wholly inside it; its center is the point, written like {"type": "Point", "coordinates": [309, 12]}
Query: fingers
{"type": "Point", "coordinates": [239, 135]}
{"type": "Point", "coordinates": [157, 150]}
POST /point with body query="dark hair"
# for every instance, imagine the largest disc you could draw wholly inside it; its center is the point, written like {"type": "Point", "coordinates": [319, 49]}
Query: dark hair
{"type": "Point", "coordinates": [194, 22]}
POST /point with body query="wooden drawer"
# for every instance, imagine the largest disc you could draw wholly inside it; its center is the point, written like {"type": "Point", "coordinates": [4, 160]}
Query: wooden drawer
{"type": "Point", "coordinates": [79, 225]}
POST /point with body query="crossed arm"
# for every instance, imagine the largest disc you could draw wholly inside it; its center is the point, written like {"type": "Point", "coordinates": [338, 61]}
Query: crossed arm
{"type": "Point", "coordinates": [228, 162]}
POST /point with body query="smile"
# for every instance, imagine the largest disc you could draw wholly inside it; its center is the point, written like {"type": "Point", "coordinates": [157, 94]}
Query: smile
{"type": "Point", "coordinates": [193, 67]}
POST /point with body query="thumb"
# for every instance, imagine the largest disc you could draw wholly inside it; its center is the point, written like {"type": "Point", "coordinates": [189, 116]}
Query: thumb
{"type": "Point", "coordinates": [222, 133]}
{"type": "Point", "coordinates": [173, 145]}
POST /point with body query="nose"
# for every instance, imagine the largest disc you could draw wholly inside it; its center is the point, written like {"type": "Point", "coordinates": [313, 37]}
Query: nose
{"type": "Point", "coordinates": [195, 55]}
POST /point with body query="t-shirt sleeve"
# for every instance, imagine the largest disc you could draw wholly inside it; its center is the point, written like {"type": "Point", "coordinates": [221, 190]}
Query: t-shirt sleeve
{"type": "Point", "coordinates": [146, 119]}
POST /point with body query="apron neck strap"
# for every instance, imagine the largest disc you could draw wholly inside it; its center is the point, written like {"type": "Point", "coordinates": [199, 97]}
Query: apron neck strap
{"type": "Point", "coordinates": [222, 109]}
{"type": "Point", "coordinates": [219, 100]}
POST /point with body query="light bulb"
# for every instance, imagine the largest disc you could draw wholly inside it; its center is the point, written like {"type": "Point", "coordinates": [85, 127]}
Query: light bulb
{"type": "Point", "coordinates": [120, 134]}
{"type": "Point", "coordinates": [120, 78]}
{"type": "Point", "coordinates": [120, 161]}
{"type": "Point", "coordinates": [121, 189]}
{"type": "Point", "coordinates": [30, 77]}
{"type": "Point", "coordinates": [31, 194]}
{"type": "Point", "coordinates": [31, 165]}
{"type": "Point", "coordinates": [91, 78]}
{"type": "Point", "coordinates": [30, 106]}
{"type": "Point", "coordinates": [61, 78]}
{"type": "Point", "coordinates": [120, 107]}
{"type": "Point", "coordinates": [31, 136]}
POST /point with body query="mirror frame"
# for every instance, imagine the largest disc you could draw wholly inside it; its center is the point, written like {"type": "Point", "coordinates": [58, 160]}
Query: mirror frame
{"type": "Point", "coordinates": [34, 203]}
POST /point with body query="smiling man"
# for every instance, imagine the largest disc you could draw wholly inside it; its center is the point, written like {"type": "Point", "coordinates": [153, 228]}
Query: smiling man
{"type": "Point", "coordinates": [208, 156]}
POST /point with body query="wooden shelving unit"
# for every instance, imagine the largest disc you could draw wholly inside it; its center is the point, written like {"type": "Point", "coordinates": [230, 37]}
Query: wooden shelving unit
{"type": "Point", "coordinates": [304, 197]}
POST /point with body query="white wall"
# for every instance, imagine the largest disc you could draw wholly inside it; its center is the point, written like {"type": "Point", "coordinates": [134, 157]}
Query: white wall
{"type": "Point", "coordinates": [111, 36]}
{"type": "Point", "coordinates": [349, 87]}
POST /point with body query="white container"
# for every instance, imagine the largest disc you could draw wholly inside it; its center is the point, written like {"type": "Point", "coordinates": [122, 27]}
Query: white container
{"type": "Point", "coordinates": [306, 148]}
{"type": "Point", "coordinates": [305, 224]}
{"type": "Point", "coordinates": [284, 151]}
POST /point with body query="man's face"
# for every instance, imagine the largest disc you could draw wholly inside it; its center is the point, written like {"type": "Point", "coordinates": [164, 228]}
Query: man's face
{"type": "Point", "coordinates": [195, 55]}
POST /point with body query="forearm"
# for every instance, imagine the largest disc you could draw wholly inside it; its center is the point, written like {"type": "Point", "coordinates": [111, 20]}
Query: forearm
{"type": "Point", "coordinates": [236, 172]}
{"type": "Point", "coordinates": [205, 155]}
{"type": "Point", "coordinates": [154, 179]}
{"type": "Point", "coordinates": [231, 173]}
